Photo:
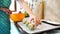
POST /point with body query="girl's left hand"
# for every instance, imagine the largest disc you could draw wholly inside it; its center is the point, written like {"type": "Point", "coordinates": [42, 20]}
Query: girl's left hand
{"type": "Point", "coordinates": [6, 10]}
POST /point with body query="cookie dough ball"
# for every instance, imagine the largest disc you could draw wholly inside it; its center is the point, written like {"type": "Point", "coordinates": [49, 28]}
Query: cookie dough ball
{"type": "Point", "coordinates": [31, 26]}
{"type": "Point", "coordinates": [27, 23]}
{"type": "Point", "coordinates": [24, 21]}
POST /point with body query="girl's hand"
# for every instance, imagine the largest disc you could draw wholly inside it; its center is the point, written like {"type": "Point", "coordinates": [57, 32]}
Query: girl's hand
{"type": "Point", "coordinates": [6, 10]}
{"type": "Point", "coordinates": [36, 20]}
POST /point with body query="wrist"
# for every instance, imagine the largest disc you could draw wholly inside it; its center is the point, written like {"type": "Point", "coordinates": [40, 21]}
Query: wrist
{"type": "Point", "coordinates": [32, 15]}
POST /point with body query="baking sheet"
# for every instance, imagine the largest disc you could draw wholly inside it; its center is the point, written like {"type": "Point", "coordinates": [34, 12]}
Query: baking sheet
{"type": "Point", "coordinates": [51, 22]}
{"type": "Point", "coordinates": [40, 28]}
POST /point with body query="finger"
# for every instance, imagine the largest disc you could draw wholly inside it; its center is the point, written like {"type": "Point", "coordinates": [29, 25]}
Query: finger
{"type": "Point", "coordinates": [30, 18]}
{"type": "Point", "coordinates": [37, 22]}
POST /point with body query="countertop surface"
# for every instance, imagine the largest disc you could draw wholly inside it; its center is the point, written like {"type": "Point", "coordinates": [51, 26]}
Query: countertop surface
{"type": "Point", "coordinates": [40, 28]}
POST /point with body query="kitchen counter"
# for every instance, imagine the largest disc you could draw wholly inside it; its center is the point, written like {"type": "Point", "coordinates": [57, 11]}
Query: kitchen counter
{"type": "Point", "coordinates": [43, 28]}
{"type": "Point", "coordinates": [15, 31]}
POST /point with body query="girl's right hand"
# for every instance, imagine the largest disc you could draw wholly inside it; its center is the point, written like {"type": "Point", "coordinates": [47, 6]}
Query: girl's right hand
{"type": "Point", "coordinates": [36, 20]}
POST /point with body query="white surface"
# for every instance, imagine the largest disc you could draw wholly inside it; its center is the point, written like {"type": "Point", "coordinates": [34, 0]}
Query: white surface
{"type": "Point", "coordinates": [40, 28]}
{"type": "Point", "coordinates": [13, 28]}
{"type": "Point", "coordinates": [57, 23]}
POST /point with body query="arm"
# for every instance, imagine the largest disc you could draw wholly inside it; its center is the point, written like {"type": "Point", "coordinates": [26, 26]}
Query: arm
{"type": "Point", "coordinates": [6, 10]}
{"type": "Point", "coordinates": [29, 11]}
